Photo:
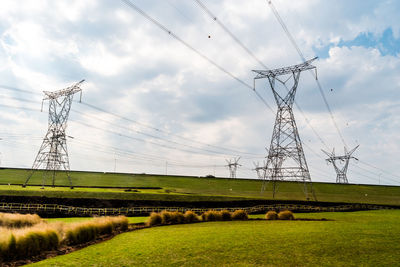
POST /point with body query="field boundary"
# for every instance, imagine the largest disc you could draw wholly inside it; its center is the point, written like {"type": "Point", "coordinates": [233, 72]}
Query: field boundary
{"type": "Point", "coordinates": [55, 209]}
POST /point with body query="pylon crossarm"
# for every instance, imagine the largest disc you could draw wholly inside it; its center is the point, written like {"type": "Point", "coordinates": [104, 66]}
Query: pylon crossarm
{"type": "Point", "coordinates": [286, 70]}
{"type": "Point", "coordinates": [63, 92]}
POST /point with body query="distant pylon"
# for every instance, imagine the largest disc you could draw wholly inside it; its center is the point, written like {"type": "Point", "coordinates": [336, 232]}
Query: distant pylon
{"type": "Point", "coordinates": [260, 170]}
{"type": "Point", "coordinates": [286, 160]}
{"type": "Point", "coordinates": [341, 172]}
{"type": "Point", "coordinates": [233, 165]}
{"type": "Point", "coordinates": [53, 154]}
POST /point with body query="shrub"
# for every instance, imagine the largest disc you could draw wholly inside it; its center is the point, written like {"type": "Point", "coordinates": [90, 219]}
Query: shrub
{"type": "Point", "coordinates": [239, 215]}
{"type": "Point", "coordinates": [286, 215]}
{"type": "Point", "coordinates": [154, 219]}
{"type": "Point", "coordinates": [271, 215]}
{"type": "Point", "coordinates": [211, 215]}
{"type": "Point", "coordinates": [226, 215]}
{"type": "Point", "coordinates": [191, 217]}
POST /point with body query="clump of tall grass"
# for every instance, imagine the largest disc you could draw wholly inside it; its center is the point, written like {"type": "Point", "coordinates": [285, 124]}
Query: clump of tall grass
{"type": "Point", "coordinates": [211, 215]}
{"type": "Point", "coordinates": [178, 217]}
{"type": "Point", "coordinates": [25, 242]}
{"type": "Point", "coordinates": [286, 215]}
{"type": "Point", "coordinates": [82, 232]}
{"type": "Point", "coordinates": [154, 219]}
{"type": "Point", "coordinates": [15, 220]}
{"type": "Point", "coordinates": [271, 215]}
{"type": "Point", "coordinates": [191, 217]}
{"type": "Point", "coordinates": [226, 215]}
{"type": "Point", "coordinates": [18, 243]}
{"type": "Point", "coordinates": [172, 217]}
{"type": "Point", "coordinates": [240, 215]}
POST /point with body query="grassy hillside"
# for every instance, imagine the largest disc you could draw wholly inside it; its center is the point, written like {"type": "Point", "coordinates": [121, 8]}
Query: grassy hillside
{"type": "Point", "coordinates": [352, 239]}
{"type": "Point", "coordinates": [175, 188]}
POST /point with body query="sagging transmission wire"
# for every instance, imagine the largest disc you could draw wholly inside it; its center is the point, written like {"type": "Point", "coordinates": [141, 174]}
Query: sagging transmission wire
{"type": "Point", "coordinates": [165, 132]}
{"type": "Point", "coordinates": [293, 41]}
{"type": "Point", "coordinates": [213, 152]}
{"type": "Point", "coordinates": [176, 37]}
{"type": "Point", "coordinates": [231, 151]}
{"type": "Point", "coordinates": [248, 51]}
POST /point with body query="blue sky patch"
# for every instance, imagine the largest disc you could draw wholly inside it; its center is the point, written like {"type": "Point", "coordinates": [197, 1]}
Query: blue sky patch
{"type": "Point", "coordinates": [386, 43]}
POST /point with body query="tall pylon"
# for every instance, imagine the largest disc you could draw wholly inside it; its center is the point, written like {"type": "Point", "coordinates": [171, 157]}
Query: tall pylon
{"type": "Point", "coordinates": [233, 164]}
{"type": "Point", "coordinates": [286, 160]}
{"type": "Point", "coordinates": [53, 153]}
{"type": "Point", "coordinates": [341, 172]}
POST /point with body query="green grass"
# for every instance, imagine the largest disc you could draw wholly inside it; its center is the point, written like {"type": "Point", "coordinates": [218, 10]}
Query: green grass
{"type": "Point", "coordinates": [177, 188]}
{"type": "Point", "coordinates": [369, 238]}
{"type": "Point", "coordinates": [81, 219]}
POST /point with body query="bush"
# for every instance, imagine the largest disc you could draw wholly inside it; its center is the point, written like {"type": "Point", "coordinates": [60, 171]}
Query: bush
{"type": "Point", "coordinates": [271, 215]}
{"type": "Point", "coordinates": [286, 215]}
{"type": "Point", "coordinates": [191, 217]}
{"type": "Point", "coordinates": [211, 215]}
{"type": "Point", "coordinates": [239, 215]}
{"type": "Point", "coordinates": [226, 215]}
{"type": "Point", "coordinates": [154, 219]}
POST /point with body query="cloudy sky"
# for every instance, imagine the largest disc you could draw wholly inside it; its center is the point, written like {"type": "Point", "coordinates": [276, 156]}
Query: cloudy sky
{"type": "Point", "coordinates": [150, 104]}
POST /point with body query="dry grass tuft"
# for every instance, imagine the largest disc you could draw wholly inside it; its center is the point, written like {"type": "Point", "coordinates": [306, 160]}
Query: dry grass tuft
{"type": "Point", "coordinates": [15, 220]}
{"type": "Point", "coordinates": [82, 232]}
{"type": "Point", "coordinates": [286, 215]}
{"type": "Point", "coordinates": [154, 219]}
{"type": "Point", "coordinates": [191, 217]}
{"type": "Point", "coordinates": [271, 215]}
{"type": "Point", "coordinates": [211, 215]}
{"type": "Point", "coordinates": [240, 215]}
{"type": "Point", "coordinates": [19, 243]}
{"type": "Point", "coordinates": [226, 215]}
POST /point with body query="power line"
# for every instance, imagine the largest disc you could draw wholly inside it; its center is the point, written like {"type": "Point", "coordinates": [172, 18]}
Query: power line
{"type": "Point", "coordinates": [176, 37]}
{"type": "Point", "coordinates": [235, 151]}
{"type": "Point", "coordinates": [209, 13]}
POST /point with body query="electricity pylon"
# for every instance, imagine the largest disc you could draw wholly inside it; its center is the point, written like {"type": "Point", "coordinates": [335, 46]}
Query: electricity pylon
{"type": "Point", "coordinates": [286, 160]}
{"type": "Point", "coordinates": [233, 165]}
{"type": "Point", "coordinates": [260, 170]}
{"type": "Point", "coordinates": [341, 172]}
{"type": "Point", "coordinates": [53, 154]}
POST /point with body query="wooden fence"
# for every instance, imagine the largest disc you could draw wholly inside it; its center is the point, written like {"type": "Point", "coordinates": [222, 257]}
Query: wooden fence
{"type": "Point", "coordinates": [136, 211]}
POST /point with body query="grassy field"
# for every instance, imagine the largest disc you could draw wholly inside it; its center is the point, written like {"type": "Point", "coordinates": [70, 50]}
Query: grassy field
{"type": "Point", "coordinates": [175, 188]}
{"type": "Point", "coordinates": [368, 238]}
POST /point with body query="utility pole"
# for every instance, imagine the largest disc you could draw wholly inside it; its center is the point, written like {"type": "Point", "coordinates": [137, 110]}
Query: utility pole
{"type": "Point", "coordinates": [286, 159]}
{"type": "Point", "coordinates": [53, 154]}
{"type": "Point", "coordinates": [341, 172]}
{"type": "Point", "coordinates": [233, 165]}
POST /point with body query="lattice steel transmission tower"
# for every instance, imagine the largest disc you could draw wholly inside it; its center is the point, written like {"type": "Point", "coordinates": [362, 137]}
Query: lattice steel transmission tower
{"type": "Point", "coordinates": [260, 170]}
{"type": "Point", "coordinates": [341, 172]}
{"type": "Point", "coordinates": [286, 160]}
{"type": "Point", "coordinates": [53, 153]}
{"type": "Point", "coordinates": [233, 164]}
